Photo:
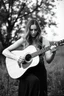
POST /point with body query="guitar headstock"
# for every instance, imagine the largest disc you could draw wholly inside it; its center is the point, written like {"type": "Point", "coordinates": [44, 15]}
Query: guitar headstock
{"type": "Point", "coordinates": [59, 43]}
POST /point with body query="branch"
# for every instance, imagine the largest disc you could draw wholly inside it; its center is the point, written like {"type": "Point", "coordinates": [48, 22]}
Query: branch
{"type": "Point", "coordinates": [4, 5]}
{"type": "Point", "coordinates": [22, 8]}
{"type": "Point", "coordinates": [37, 6]}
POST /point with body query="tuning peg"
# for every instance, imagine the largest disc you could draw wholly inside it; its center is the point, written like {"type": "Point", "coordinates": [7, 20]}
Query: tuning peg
{"type": "Point", "coordinates": [60, 43]}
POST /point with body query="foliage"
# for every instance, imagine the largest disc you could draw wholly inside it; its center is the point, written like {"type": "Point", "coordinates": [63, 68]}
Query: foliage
{"type": "Point", "coordinates": [13, 13]}
{"type": "Point", "coordinates": [56, 76]}
{"type": "Point", "coordinates": [8, 86]}
{"type": "Point", "coordinates": [56, 83]}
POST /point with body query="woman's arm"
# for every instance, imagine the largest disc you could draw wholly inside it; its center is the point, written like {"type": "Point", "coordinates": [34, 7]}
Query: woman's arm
{"type": "Point", "coordinates": [49, 55]}
{"type": "Point", "coordinates": [7, 52]}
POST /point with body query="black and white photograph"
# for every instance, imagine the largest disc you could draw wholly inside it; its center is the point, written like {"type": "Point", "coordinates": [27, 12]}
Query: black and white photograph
{"type": "Point", "coordinates": [31, 47]}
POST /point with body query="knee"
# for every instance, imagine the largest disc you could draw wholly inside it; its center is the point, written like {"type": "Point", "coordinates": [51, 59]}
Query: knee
{"type": "Point", "coordinates": [32, 79]}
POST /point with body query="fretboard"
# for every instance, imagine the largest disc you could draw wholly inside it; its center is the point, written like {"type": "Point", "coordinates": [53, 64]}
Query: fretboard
{"type": "Point", "coordinates": [42, 51]}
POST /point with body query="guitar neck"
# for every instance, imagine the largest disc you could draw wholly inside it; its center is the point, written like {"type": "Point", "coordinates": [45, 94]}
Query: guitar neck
{"type": "Point", "coordinates": [42, 51]}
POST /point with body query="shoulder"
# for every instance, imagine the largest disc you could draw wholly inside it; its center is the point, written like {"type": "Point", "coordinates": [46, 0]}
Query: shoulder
{"type": "Point", "coordinates": [46, 42]}
{"type": "Point", "coordinates": [43, 39]}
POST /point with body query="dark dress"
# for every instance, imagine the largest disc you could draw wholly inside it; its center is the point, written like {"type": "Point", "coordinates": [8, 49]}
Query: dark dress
{"type": "Point", "coordinates": [34, 81]}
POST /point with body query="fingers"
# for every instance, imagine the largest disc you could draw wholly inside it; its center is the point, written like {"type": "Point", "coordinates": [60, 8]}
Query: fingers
{"type": "Point", "coordinates": [53, 48]}
{"type": "Point", "coordinates": [20, 60]}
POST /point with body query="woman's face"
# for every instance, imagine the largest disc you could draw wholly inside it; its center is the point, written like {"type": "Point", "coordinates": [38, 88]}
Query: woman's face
{"type": "Point", "coordinates": [33, 30]}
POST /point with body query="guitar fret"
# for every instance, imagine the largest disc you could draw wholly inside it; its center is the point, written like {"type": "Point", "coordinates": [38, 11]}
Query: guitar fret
{"type": "Point", "coordinates": [40, 51]}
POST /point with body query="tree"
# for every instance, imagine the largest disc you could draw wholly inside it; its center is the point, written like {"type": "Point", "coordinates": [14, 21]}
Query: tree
{"type": "Point", "coordinates": [14, 12]}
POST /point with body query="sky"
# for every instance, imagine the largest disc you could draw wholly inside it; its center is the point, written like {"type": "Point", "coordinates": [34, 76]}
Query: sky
{"type": "Point", "coordinates": [59, 30]}
{"type": "Point", "coordinates": [60, 17]}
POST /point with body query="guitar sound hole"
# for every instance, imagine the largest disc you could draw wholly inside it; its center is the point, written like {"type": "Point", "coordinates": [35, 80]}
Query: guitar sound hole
{"type": "Point", "coordinates": [28, 57]}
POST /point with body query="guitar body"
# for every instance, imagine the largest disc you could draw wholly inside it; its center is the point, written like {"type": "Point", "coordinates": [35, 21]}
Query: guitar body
{"type": "Point", "coordinates": [13, 67]}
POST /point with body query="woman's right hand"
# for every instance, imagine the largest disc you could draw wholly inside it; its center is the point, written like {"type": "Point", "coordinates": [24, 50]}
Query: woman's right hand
{"type": "Point", "coordinates": [20, 61]}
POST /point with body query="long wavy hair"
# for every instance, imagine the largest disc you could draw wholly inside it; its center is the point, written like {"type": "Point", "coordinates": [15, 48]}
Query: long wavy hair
{"type": "Point", "coordinates": [27, 30]}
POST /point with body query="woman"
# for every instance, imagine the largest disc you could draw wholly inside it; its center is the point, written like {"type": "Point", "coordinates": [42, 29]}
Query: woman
{"type": "Point", "coordinates": [34, 81]}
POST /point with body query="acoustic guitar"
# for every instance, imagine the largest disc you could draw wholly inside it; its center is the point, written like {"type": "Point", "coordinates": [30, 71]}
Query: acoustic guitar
{"type": "Point", "coordinates": [31, 59]}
